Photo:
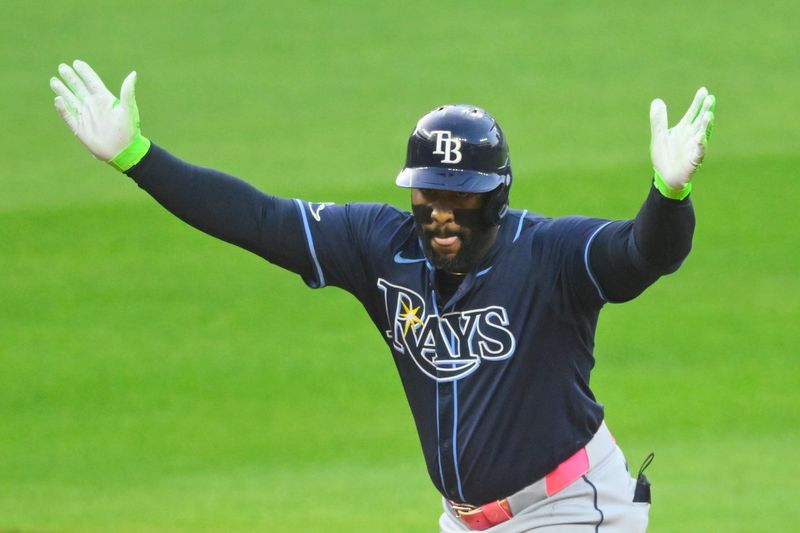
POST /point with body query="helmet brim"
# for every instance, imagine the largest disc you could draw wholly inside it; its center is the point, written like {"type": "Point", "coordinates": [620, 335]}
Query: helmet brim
{"type": "Point", "coordinates": [450, 179]}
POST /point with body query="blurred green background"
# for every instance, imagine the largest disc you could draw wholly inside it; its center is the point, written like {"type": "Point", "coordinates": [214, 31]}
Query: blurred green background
{"type": "Point", "coordinates": [154, 379]}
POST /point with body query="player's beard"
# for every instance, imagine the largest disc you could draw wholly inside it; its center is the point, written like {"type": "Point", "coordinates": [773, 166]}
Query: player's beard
{"type": "Point", "coordinates": [475, 236]}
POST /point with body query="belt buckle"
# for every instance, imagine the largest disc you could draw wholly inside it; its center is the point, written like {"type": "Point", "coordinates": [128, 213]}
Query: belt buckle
{"type": "Point", "coordinates": [462, 509]}
{"type": "Point", "coordinates": [482, 517]}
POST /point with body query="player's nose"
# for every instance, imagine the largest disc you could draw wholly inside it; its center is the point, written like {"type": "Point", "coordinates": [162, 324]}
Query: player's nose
{"type": "Point", "coordinates": [441, 213]}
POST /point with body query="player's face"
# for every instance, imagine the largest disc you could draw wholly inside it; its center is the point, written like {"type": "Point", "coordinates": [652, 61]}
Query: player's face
{"type": "Point", "coordinates": [451, 228]}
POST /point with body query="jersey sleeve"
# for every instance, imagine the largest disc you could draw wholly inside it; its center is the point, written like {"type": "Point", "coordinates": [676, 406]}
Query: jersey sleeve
{"type": "Point", "coordinates": [567, 243]}
{"type": "Point", "coordinates": [628, 256]}
{"type": "Point", "coordinates": [324, 243]}
{"type": "Point", "coordinates": [342, 241]}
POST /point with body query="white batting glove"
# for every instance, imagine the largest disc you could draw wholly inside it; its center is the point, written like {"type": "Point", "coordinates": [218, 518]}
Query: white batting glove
{"type": "Point", "coordinates": [677, 153]}
{"type": "Point", "coordinates": [106, 125]}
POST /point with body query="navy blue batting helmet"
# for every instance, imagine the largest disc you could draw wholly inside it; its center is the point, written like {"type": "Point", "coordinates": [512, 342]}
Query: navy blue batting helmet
{"type": "Point", "coordinates": [460, 148]}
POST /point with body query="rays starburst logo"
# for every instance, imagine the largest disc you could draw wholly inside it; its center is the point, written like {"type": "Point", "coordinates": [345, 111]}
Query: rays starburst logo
{"type": "Point", "coordinates": [446, 347]}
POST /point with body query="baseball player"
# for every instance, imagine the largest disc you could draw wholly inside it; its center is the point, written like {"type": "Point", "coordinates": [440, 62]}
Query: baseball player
{"type": "Point", "coordinates": [489, 312]}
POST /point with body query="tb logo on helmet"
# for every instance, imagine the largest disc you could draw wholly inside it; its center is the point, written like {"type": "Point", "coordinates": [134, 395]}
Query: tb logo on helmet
{"type": "Point", "coordinates": [446, 145]}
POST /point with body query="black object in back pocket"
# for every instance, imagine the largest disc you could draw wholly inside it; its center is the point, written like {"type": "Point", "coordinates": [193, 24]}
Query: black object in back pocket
{"type": "Point", "coordinates": [642, 492]}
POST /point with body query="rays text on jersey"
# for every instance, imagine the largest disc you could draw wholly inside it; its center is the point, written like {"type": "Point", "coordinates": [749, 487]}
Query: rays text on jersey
{"type": "Point", "coordinates": [446, 347]}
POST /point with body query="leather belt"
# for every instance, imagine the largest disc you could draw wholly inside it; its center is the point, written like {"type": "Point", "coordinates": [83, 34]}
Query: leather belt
{"type": "Point", "coordinates": [483, 517]}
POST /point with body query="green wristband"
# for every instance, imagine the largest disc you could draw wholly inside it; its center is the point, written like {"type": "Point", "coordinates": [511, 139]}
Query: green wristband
{"type": "Point", "coordinates": [132, 154]}
{"type": "Point", "coordinates": [668, 192]}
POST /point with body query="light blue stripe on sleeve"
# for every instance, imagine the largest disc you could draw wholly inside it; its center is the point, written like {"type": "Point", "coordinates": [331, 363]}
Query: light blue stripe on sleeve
{"type": "Point", "coordinates": [310, 240]}
{"type": "Point", "coordinates": [519, 226]}
{"type": "Point", "coordinates": [586, 261]}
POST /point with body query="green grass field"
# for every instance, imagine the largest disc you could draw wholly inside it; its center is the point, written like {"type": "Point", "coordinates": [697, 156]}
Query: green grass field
{"type": "Point", "coordinates": [154, 379]}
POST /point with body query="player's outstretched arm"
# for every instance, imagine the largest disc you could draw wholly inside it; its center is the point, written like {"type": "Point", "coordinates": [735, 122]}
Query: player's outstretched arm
{"type": "Point", "coordinates": [628, 256]}
{"type": "Point", "coordinates": [216, 203]}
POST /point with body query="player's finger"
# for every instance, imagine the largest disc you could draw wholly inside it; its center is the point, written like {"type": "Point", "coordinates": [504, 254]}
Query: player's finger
{"type": "Point", "coordinates": [710, 127]}
{"type": "Point", "coordinates": [90, 78]}
{"type": "Point", "coordinates": [127, 94]}
{"type": "Point", "coordinates": [73, 81]}
{"type": "Point", "coordinates": [707, 125]}
{"type": "Point", "coordinates": [69, 115]}
{"type": "Point", "coordinates": [698, 150]}
{"type": "Point", "coordinates": [704, 118]}
{"type": "Point", "coordinates": [658, 120]}
{"type": "Point", "coordinates": [713, 104]}
{"type": "Point", "coordinates": [694, 109]}
{"type": "Point", "coordinates": [66, 95]}
{"type": "Point", "coordinates": [707, 105]}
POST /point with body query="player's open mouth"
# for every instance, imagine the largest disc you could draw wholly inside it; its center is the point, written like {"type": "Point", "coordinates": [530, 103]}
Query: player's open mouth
{"type": "Point", "coordinates": [446, 244]}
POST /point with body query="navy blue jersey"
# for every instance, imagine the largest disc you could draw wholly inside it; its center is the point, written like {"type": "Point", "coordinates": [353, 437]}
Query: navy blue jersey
{"type": "Point", "coordinates": [497, 376]}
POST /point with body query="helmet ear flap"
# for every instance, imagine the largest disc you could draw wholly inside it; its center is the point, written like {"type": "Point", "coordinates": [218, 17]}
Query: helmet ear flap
{"type": "Point", "coordinates": [496, 205]}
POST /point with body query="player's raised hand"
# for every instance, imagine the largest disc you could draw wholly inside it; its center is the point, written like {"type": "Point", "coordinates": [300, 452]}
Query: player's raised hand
{"type": "Point", "coordinates": [108, 126]}
{"type": "Point", "coordinates": [678, 151]}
